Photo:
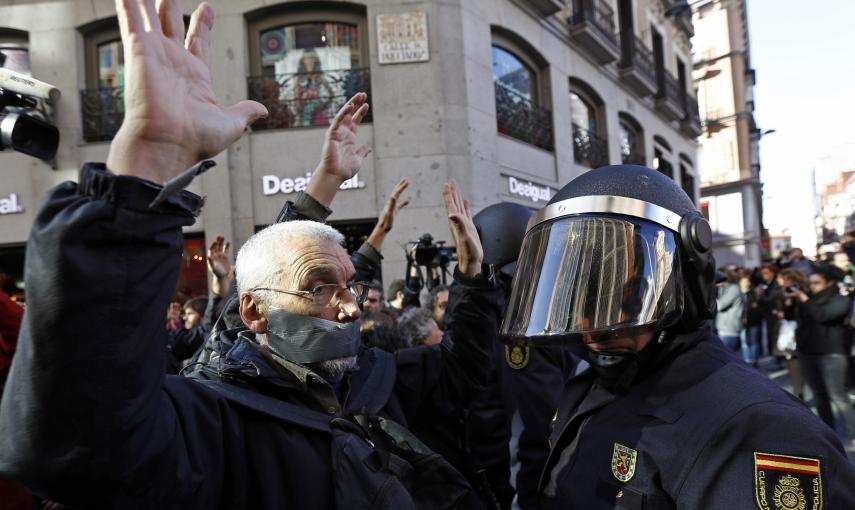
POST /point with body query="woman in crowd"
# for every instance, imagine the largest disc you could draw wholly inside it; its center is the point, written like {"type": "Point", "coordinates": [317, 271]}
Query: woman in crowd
{"type": "Point", "coordinates": [822, 345]}
{"type": "Point", "coordinates": [728, 320]}
{"type": "Point", "coordinates": [790, 280]}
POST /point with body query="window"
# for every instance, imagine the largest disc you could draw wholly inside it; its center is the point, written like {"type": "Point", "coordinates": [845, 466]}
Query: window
{"type": "Point", "coordinates": [111, 64]}
{"type": "Point", "coordinates": [306, 64]}
{"type": "Point", "coordinates": [14, 50]}
{"type": "Point", "coordinates": [631, 141]}
{"type": "Point", "coordinates": [102, 101]}
{"type": "Point", "coordinates": [587, 114]}
{"type": "Point", "coordinates": [687, 181]}
{"type": "Point", "coordinates": [661, 153]}
{"type": "Point", "coordinates": [582, 112]}
{"type": "Point", "coordinates": [510, 72]}
{"type": "Point", "coordinates": [520, 78]}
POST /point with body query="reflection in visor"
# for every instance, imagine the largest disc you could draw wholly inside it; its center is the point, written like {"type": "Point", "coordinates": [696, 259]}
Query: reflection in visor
{"type": "Point", "coordinates": [592, 273]}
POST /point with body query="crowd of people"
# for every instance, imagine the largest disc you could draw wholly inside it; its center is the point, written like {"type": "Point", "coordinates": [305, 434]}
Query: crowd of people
{"type": "Point", "coordinates": [567, 360]}
{"type": "Point", "coordinates": [798, 314]}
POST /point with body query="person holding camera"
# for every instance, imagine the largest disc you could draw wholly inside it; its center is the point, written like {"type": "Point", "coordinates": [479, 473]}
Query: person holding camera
{"type": "Point", "coordinates": [789, 280]}
{"type": "Point", "coordinates": [822, 346]}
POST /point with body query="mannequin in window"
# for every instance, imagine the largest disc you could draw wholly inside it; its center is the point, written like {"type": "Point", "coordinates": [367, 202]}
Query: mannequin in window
{"type": "Point", "coordinates": [313, 91]}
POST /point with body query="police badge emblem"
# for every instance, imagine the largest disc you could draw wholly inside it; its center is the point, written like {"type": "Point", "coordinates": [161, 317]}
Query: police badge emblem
{"type": "Point", "coordinates": [517, 356]}
{"type": "Point", "coordinates": [623, 462]}
{"type": "Point", "coordinates": [785, 482]}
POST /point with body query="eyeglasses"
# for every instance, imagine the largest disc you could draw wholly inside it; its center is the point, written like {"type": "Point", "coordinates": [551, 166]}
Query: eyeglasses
{"type": "Point", "coordinates": [328, 294]}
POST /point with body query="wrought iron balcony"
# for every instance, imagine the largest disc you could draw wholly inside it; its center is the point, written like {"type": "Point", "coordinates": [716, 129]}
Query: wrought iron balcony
{"type": "Point", "coordinates": [592, 25]}
{"type": "Point", "coordinates": [520, 118]}
{"type": "Point", "coordinates": [637, 68]}
{"type": "Point", "coordinates": [670, 98]}
{"type": "Point", "coordinates": [102, 111]}
{"type": "Point", "coordinates": [589, 149]}
{"type": "Point", "coordinates": [306, 99]}
{"type": "Point", "coordinates": [691, 123]}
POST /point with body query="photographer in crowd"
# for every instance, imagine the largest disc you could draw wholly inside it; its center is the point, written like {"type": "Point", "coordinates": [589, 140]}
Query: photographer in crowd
{"type": "Point", "coordinates": [822, 344]}
{"type": "Point", "coordinates": [282, 419]}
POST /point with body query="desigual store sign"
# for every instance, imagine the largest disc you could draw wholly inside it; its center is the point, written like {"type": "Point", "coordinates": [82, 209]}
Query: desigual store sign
{"type": "Point", "coordinates": [11, 204]}
{"type": "Point", "coordinates": [529, 190]}
{"type": "Point", "coordinates": [273, 184]}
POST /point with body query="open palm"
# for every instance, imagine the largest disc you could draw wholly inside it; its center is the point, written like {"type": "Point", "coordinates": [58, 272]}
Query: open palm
{"type": "Point", "coordinates": [341, 157]}
{"type": "Point", "coordinates": [169, 99]}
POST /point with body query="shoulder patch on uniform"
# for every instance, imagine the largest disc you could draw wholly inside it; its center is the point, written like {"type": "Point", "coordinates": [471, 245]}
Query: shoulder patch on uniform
{"type": "Point", "coordinates": [786, 482]}
{"type": "Point", "coordinates": [623, 462]}
{"type": "Point", "coordinates": [517, 356]}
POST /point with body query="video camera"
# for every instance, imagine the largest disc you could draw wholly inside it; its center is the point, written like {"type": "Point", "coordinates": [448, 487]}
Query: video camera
{"type": "Point", "coordinates": [24, 124]}
{"type": "Point", "coordinates": [433, 255]}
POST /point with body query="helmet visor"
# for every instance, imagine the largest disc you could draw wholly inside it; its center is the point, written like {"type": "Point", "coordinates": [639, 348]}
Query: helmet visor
{"type": "Point", "coordinates": [593, 275]}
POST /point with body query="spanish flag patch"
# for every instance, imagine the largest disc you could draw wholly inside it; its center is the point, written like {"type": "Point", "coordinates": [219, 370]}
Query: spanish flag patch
{"type": "Point", "coordinates": [786, 482]}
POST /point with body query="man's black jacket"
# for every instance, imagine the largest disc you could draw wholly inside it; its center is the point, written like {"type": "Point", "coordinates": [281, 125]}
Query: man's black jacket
{"type": "Point", "coordinates": [88, 417]}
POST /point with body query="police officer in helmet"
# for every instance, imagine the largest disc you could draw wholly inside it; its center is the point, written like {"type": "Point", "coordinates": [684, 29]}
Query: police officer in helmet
{"type": "Point", "coordinates": [618, 266]}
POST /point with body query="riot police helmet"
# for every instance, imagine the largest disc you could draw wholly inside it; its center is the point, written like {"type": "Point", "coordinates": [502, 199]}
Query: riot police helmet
{"type": "Point", "coordinates": [502, 228]}
{"type": "Point", "coordinates": [619, 250]}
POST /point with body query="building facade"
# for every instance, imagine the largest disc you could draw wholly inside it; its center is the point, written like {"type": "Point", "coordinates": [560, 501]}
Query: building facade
{"type": "Point", "coordinates": [836, 211]}
{"type": "Point", "coordinates": [512, 98]}
{"type": "Point", "coordinates": [731, 193]}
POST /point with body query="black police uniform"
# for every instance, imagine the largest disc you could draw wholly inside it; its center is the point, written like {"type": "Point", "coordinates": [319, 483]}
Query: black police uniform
{"type": "Point", "coordinates": [701, 430]}
{"type": "Point", "coordinates": [618, 256]}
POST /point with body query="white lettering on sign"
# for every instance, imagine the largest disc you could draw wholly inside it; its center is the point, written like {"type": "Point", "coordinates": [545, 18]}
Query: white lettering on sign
{"type": "Point", "coordinates": [271, 184]}
{"type": "Point", "coordinates": [529, 190]}
{"type": "Point", "coordinates": [10, 205]}
{"type": "Point", "coordinates": [402, 38]}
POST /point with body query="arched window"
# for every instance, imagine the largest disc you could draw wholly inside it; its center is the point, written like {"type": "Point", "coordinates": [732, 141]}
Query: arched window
{"type": "Point", "coordinates": [306, 63]}
{"type": "Point", "coordinates": [587, 114]}
{"type": "Point", "coordinates": [662, 156]}
{"type": "Point", "coordinates": [520, 79]}
{"type": "Point", "coordinates": [511, 72]}
{"type": "Point", "coordinates": [631, 141]}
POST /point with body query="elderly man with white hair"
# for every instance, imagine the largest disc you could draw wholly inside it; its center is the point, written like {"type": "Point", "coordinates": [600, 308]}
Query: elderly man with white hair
{"type": "Point", "coordinates": [294, 413]}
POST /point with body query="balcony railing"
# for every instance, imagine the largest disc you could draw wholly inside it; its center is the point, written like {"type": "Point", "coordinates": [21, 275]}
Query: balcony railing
{"type": "Point", "coordinates": [306, 99]}
{"type": "Point", "coordinates": [639, 56]}
{"type": "Point", "coordinates": [520, 118]}
{"type": "Point", "coordinates": [669, 88]}
{"type": "Point", "coordinates": [588, 148]}
{"type": "Point", "coordinates": [599, 14]}
{"type": "Point", "coordinates": [103, 111]}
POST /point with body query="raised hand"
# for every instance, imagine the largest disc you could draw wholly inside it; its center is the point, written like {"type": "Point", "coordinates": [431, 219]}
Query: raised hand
{"type": "Point", "coordinates": [387, 216]}
{"type": "Point", "coordinates": [470, 254]}
{"type": "Point", "coordinates": [219, 262]}
{"type": "Point", "coordinates": [172, 118]}
{"type": "Point", "coordinates": [173, 316]}
{"type": "Point", "coordinates": [341, 158]}
{"type": "Point", "coordinates": [220, 265]}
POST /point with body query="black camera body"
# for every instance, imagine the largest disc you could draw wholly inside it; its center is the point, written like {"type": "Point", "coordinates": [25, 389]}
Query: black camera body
{"type": "Point", "coordinates": [792, 288]}
{"type": "Point", "coordinates": [432, 253]}
{"type": "Point", "coordinates": [25, 124]}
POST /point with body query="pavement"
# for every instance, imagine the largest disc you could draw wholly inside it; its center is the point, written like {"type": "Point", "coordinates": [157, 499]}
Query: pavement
{"type": "Point", "coordinates": [770, 366]}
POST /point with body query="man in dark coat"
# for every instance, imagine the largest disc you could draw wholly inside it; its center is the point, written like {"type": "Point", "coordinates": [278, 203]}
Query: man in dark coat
{"type": "Point", "coordinates": [618, 266]}
{"type": "Point", "coordinates": [88, 416]}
